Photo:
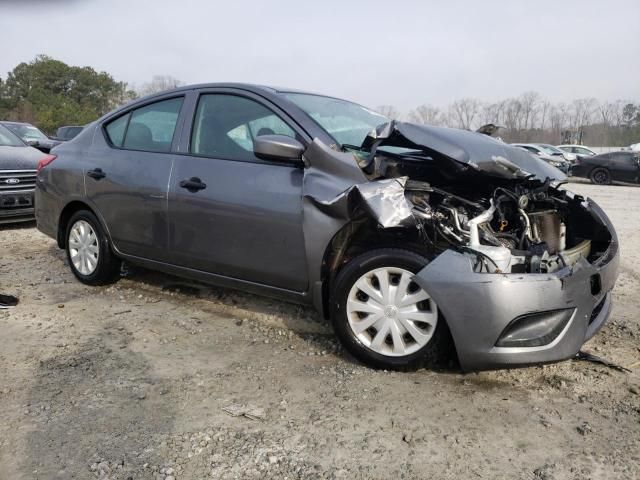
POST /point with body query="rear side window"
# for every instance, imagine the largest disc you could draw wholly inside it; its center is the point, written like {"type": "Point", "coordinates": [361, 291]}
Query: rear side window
{"type": "Point", "coordinates": [150, 128]}
{"type": "Point", "coordinates": [225, 126]}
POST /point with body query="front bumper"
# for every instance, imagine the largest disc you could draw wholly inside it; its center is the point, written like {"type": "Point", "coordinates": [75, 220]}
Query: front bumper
{"type": "Point", "coordinates": [16, 206]}
{"type": "Point", "coordinates": [478, 307]}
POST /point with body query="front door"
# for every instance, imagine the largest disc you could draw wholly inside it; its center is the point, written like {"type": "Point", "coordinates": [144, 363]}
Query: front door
{"type": "Point", "coordinates": [231, 213]}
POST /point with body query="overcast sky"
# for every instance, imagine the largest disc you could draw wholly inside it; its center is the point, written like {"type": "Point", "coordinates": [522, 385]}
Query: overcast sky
{"type": "Point", "coordinates": [402, 53]}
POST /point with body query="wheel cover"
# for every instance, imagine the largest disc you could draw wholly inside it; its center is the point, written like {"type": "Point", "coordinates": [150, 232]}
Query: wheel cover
{"type": "Point", "coordinates": [84, 249]}
{"type": "Point", "coordinates": [600, 176]}
{"type": "Point", "coordinates": [389, 313]}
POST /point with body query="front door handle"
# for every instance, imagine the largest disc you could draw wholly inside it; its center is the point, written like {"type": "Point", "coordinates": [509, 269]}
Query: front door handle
{"type": "Point", "coordinates": [96, 173]}
{"type": "Point", "coordinates": [193, 184]}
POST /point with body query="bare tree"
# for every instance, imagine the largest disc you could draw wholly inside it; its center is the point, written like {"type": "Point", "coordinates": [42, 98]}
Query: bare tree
{"type": "Point", "coordinates": [545, 108]}
{"type": "Point", "coordinates": [529, 103]}
{"type": "Point", "coordinates": [159, 83]}
{"type": "Point", "coordinates": [464, 112]}
{"type": "Point", "coordinates": [582, 110]}
{"type": "Point", "coordinates": [493, 113]}
{"type": "Point", "coordinates": [388, 111]}
{"type": "Point", "coordinates": [427, 114]}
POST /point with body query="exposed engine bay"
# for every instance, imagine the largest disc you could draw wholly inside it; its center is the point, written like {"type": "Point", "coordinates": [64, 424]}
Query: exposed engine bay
{"type": "Point", "coordinates": [511, 220]}
{"type": "Point", "coordinates": [519, 230]}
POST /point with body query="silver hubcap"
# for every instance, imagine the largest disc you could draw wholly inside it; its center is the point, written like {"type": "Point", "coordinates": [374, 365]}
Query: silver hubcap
{"type": "Point", "coordinates": [390, 313]}
{"type": "Point", "coordinates": [83, 247]}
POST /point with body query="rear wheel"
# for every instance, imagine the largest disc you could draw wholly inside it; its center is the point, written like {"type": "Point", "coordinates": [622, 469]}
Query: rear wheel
{"type": "Point", "coordinates": [382, 316]}
{"type": "Point", "coordinates": [88, 250]}
{"type": "Point", "coordinates": [600, 176]}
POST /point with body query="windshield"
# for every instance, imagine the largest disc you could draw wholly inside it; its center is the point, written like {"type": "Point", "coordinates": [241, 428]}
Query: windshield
{"type": "Point", "coordinates": [550, 149]}
{"type": "Point", "coordinates": [8, 139]}
{"type": "Point", "coordinates": [27, 132]}
{"type": "Point", "coordinates": [347, 123]}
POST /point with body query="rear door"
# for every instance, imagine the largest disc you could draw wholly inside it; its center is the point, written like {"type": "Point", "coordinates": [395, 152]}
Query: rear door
{"type": "Point", "coordinates": [245, 220]}
{"type": "Point", "coordinates": [127, 176]}
{"type": "Point", "coordinates": [624, 167]}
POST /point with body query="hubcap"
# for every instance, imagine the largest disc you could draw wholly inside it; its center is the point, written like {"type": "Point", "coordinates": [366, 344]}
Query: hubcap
{"type": "Point", "coordinates": [601, 177]}
{"type": "Point", "coordinates": [83, 247]}
{"type": "Point", "coordinates": [390, 313]}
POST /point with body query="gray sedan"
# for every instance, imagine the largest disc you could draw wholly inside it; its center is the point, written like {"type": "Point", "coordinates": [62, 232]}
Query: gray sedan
{"type": "Point", "coordinates": [416, 241]}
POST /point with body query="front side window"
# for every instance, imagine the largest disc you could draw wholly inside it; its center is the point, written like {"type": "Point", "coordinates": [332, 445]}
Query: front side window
{"type": "Point", "coordinates": [347, 123]}
{"type": "Point", "coordinates": [225, 126]}
{"type": "Point", "coordinates": [149, 128]}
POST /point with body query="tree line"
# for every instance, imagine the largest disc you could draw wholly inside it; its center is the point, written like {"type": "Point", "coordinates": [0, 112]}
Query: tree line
{"type": "Point", "coordinates": [49, 93]}
{"type": "Point", "coordinates": [532, 118]}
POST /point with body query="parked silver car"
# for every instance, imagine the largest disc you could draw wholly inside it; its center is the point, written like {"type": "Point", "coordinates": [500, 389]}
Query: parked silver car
{"type": "Point", "coordinates": [410, 238]}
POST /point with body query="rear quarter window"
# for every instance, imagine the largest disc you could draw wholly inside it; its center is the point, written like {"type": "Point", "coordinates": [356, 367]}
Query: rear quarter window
{"type": "Point", "coordinates": [115, 130]}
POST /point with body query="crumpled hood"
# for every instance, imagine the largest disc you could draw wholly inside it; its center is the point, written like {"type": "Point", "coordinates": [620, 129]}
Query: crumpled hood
{"type": "Point", "coordinates": [471, 149]}
{"type": "Point", "coordinates": [19, 158]}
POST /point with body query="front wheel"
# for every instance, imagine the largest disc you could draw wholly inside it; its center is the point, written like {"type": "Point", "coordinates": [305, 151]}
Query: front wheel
{"type": "Point", "coordinates": [88, 250]}
{"type": "Point", "coordinates": [382, 316]}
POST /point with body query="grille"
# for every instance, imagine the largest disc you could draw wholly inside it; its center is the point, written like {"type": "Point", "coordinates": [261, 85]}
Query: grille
{"type": "Point", "coordinates": [17, 181]}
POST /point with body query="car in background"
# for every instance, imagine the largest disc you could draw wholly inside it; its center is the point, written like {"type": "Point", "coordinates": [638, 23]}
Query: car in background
{"type": "Point", "coordinates": [18, 168]}
{"type": "Point", "coordinates": [66, 133]}
{"type": "Point", "coordinates": [635, 147]}
{"type": "Point", "coordinates": [31, 135]}
{"type": "Point", "coordinates": [557, 161]}
{"type": "Point", "coordinates": [609, 167]}
{"type": "Point", "coordinates": [577, 150]}
{"type": "Point", "coordinates": [554, 151]}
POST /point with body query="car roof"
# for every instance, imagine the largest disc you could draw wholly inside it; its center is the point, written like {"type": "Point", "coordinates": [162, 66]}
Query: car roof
{"type": "Point", "coordinates": [9, 122]}
{"type": "Point", "coordinates": [250, 87]}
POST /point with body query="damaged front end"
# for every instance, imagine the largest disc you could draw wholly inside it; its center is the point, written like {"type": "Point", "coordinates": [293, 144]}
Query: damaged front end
{"type": "Point", "coordinates": [521, 269]}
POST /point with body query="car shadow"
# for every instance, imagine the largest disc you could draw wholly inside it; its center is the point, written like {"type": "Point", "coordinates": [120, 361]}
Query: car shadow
{"type": "Point", "coordinates": [17, 225]}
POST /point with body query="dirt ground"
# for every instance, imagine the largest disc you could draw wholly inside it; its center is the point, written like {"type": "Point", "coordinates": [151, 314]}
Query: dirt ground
{"type": "Point", "coordinates": [130, 381]}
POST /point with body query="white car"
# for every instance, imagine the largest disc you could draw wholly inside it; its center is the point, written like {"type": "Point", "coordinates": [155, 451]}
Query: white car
{"type": "Point", "coordinates": [556, 160]}
{"type": "Point", "coordinates": [554, 151]}
{"type": "Point", "coordinates": [578, 150]}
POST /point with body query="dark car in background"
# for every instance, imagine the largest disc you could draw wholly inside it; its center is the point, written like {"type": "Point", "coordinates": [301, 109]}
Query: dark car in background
{"type": "Point", "coordinates": [609, 167]}
{"type": "Point", "coordinates": [18, 165]}
{"type": "Point", "coordinates": [406, 236]}
{"type": "Point", "coordinates": [31, 135]}
{"type": "Point", "coordinates": [66, 133]}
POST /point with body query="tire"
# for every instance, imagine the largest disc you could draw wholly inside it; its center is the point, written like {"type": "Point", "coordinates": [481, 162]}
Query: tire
{"type": "Point", "coordinates": [600, 176]}
{"type": "Point", "coordinates": [105, 267]}
{"type": "Point", "coordinates": [400, 349]}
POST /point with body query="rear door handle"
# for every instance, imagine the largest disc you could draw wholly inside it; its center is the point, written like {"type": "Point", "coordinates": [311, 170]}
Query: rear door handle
{"type": "Point", "coordinates": [193, 184]}
{"type": "Point", "coordinates": [96, 173]}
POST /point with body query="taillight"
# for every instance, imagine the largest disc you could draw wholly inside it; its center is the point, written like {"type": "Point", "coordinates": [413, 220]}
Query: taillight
{"type": "Point", "coordinates": [44, 162]}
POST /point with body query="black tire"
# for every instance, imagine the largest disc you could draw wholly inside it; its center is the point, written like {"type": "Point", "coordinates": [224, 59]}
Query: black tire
{"type": "Point", "coordinates": [108, 265]}
{"type": "Point", "coordinates": [600, 176]}
{"type": "Point", "coordinates": [436, 353]}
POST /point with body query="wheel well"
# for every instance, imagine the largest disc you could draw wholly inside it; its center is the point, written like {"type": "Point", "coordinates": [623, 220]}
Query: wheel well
{"type": "Point", "coordinates": [359, 236]}
{"type": "Point", "coordinates": [65, 215]}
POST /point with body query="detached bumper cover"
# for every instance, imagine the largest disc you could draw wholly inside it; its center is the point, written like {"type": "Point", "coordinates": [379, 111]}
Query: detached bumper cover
{"type": "Point", "coordinates": [479, 306]}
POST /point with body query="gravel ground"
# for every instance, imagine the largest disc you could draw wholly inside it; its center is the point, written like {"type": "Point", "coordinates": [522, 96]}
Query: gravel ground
{"type": "Point", "coordinates": [131, 381]}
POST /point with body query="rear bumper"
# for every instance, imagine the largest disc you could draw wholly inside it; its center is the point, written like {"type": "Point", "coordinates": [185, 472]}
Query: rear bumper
{"type": "Point", "coordinates": [478, 307]}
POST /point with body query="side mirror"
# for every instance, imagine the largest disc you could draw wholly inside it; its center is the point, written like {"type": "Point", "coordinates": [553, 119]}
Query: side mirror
{"type": "Point", "coordinates": [277, 147]}
{"type": "Point", "coordinates": [33, 143]}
